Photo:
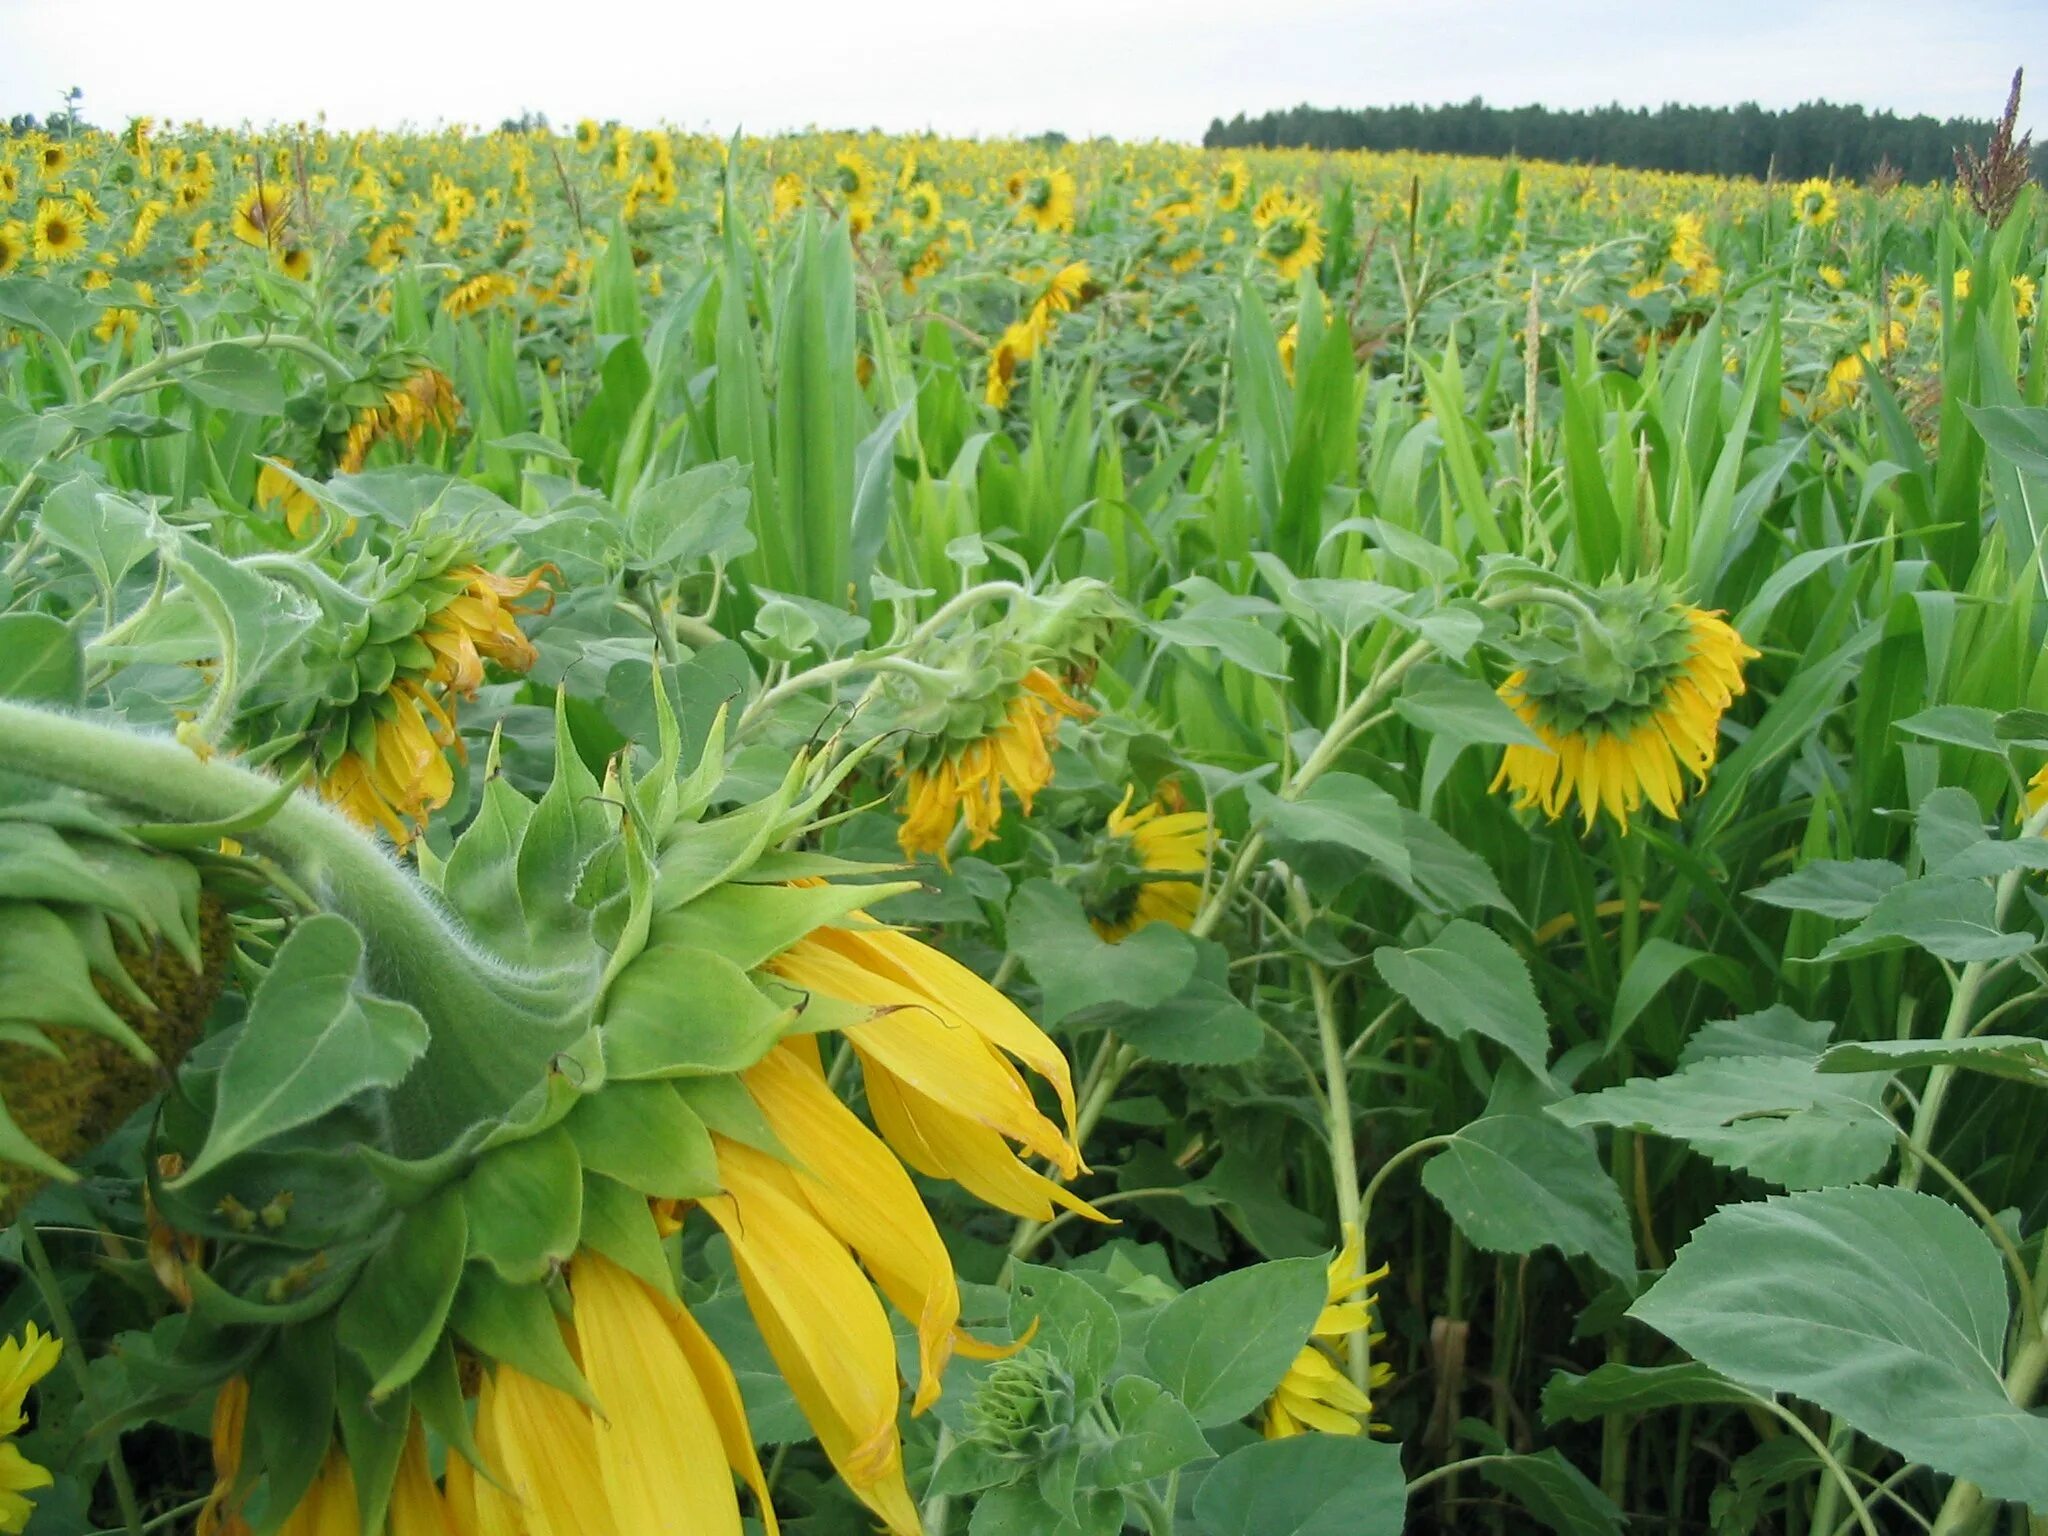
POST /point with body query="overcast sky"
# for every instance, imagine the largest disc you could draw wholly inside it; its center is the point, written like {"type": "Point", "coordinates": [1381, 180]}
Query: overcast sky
{"type": "Point", "coordinates": [1132, 68]}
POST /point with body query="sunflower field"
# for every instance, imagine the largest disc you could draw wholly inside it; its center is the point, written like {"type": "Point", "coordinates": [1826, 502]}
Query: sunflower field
{"type": "Point", "coordinates": [830, 833]}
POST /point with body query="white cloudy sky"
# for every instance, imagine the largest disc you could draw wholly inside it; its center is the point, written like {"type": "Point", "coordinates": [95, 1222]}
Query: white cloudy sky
{"type": "Point", "coordinates": [1133, 68]}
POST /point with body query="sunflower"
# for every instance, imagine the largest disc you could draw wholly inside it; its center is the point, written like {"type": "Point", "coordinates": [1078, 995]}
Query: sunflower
{"type": "Point", "coordinates": [1233, 179]}
{"type": "Point", "coordinates": [1044, 198]}
{"type": "Point", "coordinates": [853, 178]}
{"type": "Point", "coordinates": [118, 321]}
{"type": "Point", "coordinates": [394, 772]}
{"type": "Point", "coordinates": [481, 622]}
{"type": "Point", "coordinates": [1622, 698]}
{"type": "Point", "coordinates": [1138, 847]}
{"type": "Point", "coordinates": [1016, 345]}
{"type": "Point", "coordinates": [964, 781]}
{"type": "Point", "coordinates": [1062, 291]}
{"type": "Point", "coordinates": [277, 491]}
{"type": "Point", "coordinates": [10, 182]}
{"type": "Point", "coordinates": [1814, 203]}
{"type": "Point", "coordinates": [1832, 275]}
{"type": "Point", "coordinates": [59, 232]}
{"type": "Point", "coordinates": [146, 218]}
{"type": "Point", "coordinates": [1290, 234]}
{"type": "Point", "coordinates": [424, 398]}
{"type": "Point", "coordinates": [295, 262]}
{"type": "Point", "coordinates": [387, 246]}
{"type": "Point", "coordinates": [1907, 292]}
{"type": "Point", "coordinates": [478, 293]}
{"type": "Point", "coordinates": [587, 135]}
{"type": "Point", "coordinates": [2024, 293]}
{"type": "Point", "coordinates": [787, 195]}
{"type": "Point", "coordinates": [1959, 285]}
{"type": "Point", "coordinates": [23, 1363]}
{"type": "Point", "coordinates": [14, 245]}
{"type": "Point", "coordinates": [939, 1049]}
{"type": "Point", "coordinates": [923, 204]}
{"type": "Point", "coordinates": [1316, 1393]}
{"type": "Point", "coordinates": [53, 159]}
{"type": "Point", "coordinates": [262, 215]}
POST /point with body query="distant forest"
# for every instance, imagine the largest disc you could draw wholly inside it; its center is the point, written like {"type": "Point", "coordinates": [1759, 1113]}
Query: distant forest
{"type": "Point", "coordinates": [1817, 139]}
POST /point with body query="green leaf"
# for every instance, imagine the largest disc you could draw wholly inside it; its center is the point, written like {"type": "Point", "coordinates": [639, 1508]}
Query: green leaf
{"type": "Point", "coordinates": [1469, 980]}
{"type": "Point", "coordinates": [1023, 1511]}
{"type": "Point", "coordinates": [1460, 709]}
{"type": "Point", "coordinates": [1656, 964]}
{"type": "Point", "coordinates": [1516, 1183]}
{"type": "Point", "coordinates": [2017, 1058]}
{"type": "Point", "coordinates": [373, 1435]}
{"type": "Point", "coordinates": [678, 1012]}
{"type": "Point", "coordinates": [1839, 888]}
{"type": "Point", "coordinates": [1635, 1389]}
{"type": "Point", "coordinates": [1077, 970]}
{"type": "Point", "coordinates": [237, 378]}
{"type": "Point", "coordinates": [1774, 1116]}
{"type": "Point", "coordinates": [1243, 642]}
{"type": "Point", "coordinates": [1951, 918]}
{"type": "Point", "coordinates": [1075, 1324]}
{"type": "Point", "coordinates": [1306, 1485]}
{"type": "Point", "coordinates": [1222, 1347]}
{"type": "Point", "coordinates": [310, 1044]}
{"type": "Point", "coordinates": [700, 514]}
{"type": "Point", "coordinates": [291, 1411]}
{"type": "Point", "coordinates": [1956, 725]}
{"type": "Point", "coordinates": [1155, 1435]}
{"type": "Point", "coordinates": [1201, 1025]}
{"type": "Point", "coordinates": [525, 1206]}
{"type": "Point", "coordinates": [106, 531]}
{"type": "Point", "coordinates": [40, 660]}
{"type": "Point", "coordinates": [1884, 1306]}
{"type": "Point", "coordinates": [392, 1317]}
{"type": "Point", "coordinates": [646, 1137]}
{"type": "Point", "coordinates": [1339, 808]}
{"type": "Point", "coordinates": [1557, 1494]}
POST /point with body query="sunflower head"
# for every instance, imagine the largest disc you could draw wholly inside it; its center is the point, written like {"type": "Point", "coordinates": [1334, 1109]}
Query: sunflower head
{"type": "Point", "coordinates": [1025, 1409]}
{"type": "Point", "coordinates": [1814, 203]}
{"type": "Point", "coordinates": [262, 215]}
{"type": "Point", "coordinates": [1622, 691]}
{"type": "Point", "coordinates": [1290, 235]}
{"type": "Point", "coordinates": [1145, 867]}
{"type": "Point", "coordinates": [59, 231]}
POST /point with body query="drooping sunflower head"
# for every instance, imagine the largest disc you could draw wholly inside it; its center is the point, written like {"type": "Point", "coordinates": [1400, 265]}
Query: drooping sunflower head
{"type": "Point", "coordinates": [59, 231]}
{"type": "Point", "coordinates": [1146, 867]}
{"type": "Point", "coordinates": [1317, 1395]}
{"type": "Point", "coordinates": [1814, 202]}
{"type": "Point", "coordinates": [1622, 696]}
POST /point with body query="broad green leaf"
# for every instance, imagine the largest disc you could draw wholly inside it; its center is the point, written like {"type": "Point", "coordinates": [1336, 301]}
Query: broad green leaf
{"type": "Point", "coordinates": [237, 378]}
{"type": "Point", "coordinates": [1306, 1485]}
{"type": "Point", "coordinates": [1077, 970]}
{"type": "Point", "coordinates": [1950, 918]}
{"type": "Point", "coordinates": [1955, 725]}
{"type": "Point", "coordinates": [1774, 1116]}
{"type": "Point", "coordinates": [1338, 808]}
{"type": "Point", "coordinates": [1024, 1511]}
{"type": "Point", "coordinates": [1222, 1347]}
{"type": "Point", "coordinates": [40, 660]}
{"type": "Point", "coordinates": [700, 514]}
{"type": "Point", "coordinates": [107, 531]}
{"type": "Point", "coordinates": [1155, 1435]}
{"type": "Point", "coordinates": [1885, 1306]}
{"type": "Point", "coordinates": [1554, 1492]}
{"type": "Point", "coordinates": [2018, 1058]}
{"type": "Point", "coordinates": [1840, 888]}
{"type": "Point", "coordinates": [1634, 1389]}
{"type": "Point", "coordinates": [1516, 1183]}
{"type": "Point", "coordinates": [1203, 1024]}
{"type": "Point", "coordinates": [310, 1044]}
{"type": "Point", "coordinates": [1460, 709]}
{"type": "Point", "coordinates": [1075, 1324]}
{"type": "Point", "coordinates": [1469, 980]}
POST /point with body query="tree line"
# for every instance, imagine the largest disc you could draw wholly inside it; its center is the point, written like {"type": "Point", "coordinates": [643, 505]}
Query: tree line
{"type": "Point", "coordinates": [1818, 138]}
